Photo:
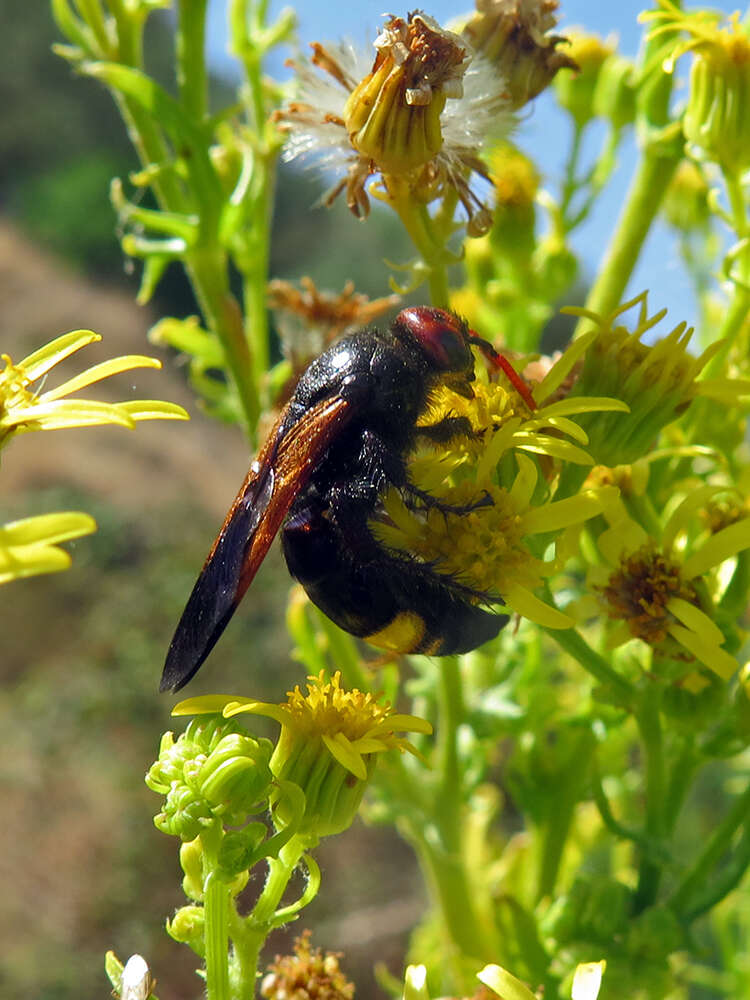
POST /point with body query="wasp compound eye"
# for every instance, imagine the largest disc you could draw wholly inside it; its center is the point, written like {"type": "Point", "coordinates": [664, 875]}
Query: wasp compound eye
{"type": "Point", "coordinates": [440, 334]}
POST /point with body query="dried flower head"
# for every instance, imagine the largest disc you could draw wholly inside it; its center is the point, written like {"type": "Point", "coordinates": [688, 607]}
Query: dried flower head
{"type": "Point", "coordinates": [418, 116]}
{"type": "Point", "coordinates": [512, 35]}
{"type": "Point", "coordinates": [307, 974]}
{"type": "Point", "coordinates": [309, 319]}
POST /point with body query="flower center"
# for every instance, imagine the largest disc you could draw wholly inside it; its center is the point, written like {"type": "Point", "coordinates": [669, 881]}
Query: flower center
{"type": "Point", "coordinates": [13, 391]}
{"type": "Point", "coordinates": [640, 589]}
{"type": "Point", "coordinates": [328, 709]}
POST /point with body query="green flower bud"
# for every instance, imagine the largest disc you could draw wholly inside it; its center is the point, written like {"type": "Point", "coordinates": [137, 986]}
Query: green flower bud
{"type": "Point", "coordinates": [516, 182]}
{"type": "Point", "coordinates": [332, 793]}
{"type": "Point", "coordinates": [685, 204]}
{"type": "Point", "coordinates": [238, 849]}
{"type": "Point", "coordinates": [212, 771]}
{"type": "Point", "coordinates": [235, 776]}
{"type": "Point", "coordinates": [187, 927]}
{"type": "Point", "coordinates": [595, 909]}
{"type": "Point", "coordinates": [717, 117]}
{"type": "Point", "coordinates": [614, 93]}
{"type": "Point", "coordinates": [655, 934]}
{"type": "Point", "coordinates": [575, 91]}
{"type": "Point", "coordinates": [191, 859]}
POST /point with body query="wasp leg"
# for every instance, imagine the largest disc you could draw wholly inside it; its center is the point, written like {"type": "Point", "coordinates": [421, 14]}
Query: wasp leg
{"type": "Point", "coordinates": [430, 500]}
{"type": "Point", "coordinates": [449, 428]}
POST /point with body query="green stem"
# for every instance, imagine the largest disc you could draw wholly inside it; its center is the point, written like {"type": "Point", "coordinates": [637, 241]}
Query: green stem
{"type": "Point", "coordinates": [649, 724]}
{"type": "Point", "coordinates": [216, 908]}
{"type": "Point", "coordinates": [647, 189]}
{"type": "Point", "coordinates": [573, 643]}
{"type": "Point", "coordinates": [442, 853]}
{"type": "Point", "coordinates": [680, 781]}
{"type": "Point", "coordinates": [557, 827]}
{"type": "Point", "coordinates": [700, 874]}
{"type": "Point", "coordinates": [570, 184]}
{"type": "Point", "coordinates": [249, 939]}
{"type": "Point", "coordinates": [417, 223]}
{"type": "Point", "coordinates": [207, 269]}
{"type": "Point", "coordinates": [191, 62]}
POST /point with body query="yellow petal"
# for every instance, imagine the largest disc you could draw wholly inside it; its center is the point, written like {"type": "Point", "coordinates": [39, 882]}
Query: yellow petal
{"type": "Point", "coordinates": [340, 748]}
{"type": "Point", "coordinates": [63, 413]}
{"type": "Point", "coordinates": [153, 409]}
{"type": "Point", "coordinates": [530, 606]}
{"type": "Point", "coordinates": [204, 704]}
{"type": "Point", "coordinates": [561, 424]}
{"type": "Point", "coordinates": [557, 373]}
{"type": "Point", "coordinates": [695, 619]}
{"type": "Point", "coordinates": [502, 982]}
{"type": "Point", "coordinates": [403, 723]}
{"type": "Point", "coordinates": [542, 444]}
{"type": "Point", "coordinates": [498, 444]}
{"type": "Point", "coordinates": [98, 372]}
{"type": "Point", "coordinates": [562, 513]}
{"type": "Point", "coordinates": [31, 561]}
{"type": "Point", "coordinates": [41, 361]}
{"type": "Point", "coordinates": [710, 655]}
{"type": "Point", "coordinates": [684, 511]}
{"type": "Point", "coordinates": [524, 484]}
{"type": "Point", "coordinates": [46, 528]}
{"type": "Point", "coordinates": [366, 744]}
{"type": "Point", "coordinates": [587, 980]}
{"type": "Point", "coordinates": [723, 545]}
{"type": "Point", "coordinates": [583, 404]}
{"type": "Point", "coordinates": [622, 537]}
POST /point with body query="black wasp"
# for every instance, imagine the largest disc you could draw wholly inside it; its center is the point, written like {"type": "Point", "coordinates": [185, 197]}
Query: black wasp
{"type": "Point", "coordinates": [343, 438]}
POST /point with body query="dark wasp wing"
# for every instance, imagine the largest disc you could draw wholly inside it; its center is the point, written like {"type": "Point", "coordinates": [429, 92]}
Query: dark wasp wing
{"type": "Point", "coordinates": [277, 475]}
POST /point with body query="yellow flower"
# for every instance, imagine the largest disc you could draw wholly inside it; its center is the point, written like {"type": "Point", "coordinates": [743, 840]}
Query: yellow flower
{"type": "Point", "coordinates": [658, 382]}
{"type": "Point", "coordinates": [418, 116]}
{"type": "Point", "coordinates": [23, 409]}
{"type": "Point", "coordinates": [30, 546]}
{"type": "Point", "coordinates": [657, 589]}
{"type": "Point", "coordinates": [717, 118]}
{"type": "Point", "coordinates": [576, 91]}
{"type": "Point", "coordinates": [328, 744]}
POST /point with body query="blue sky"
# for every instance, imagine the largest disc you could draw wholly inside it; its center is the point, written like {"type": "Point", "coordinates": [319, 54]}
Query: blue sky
{"type": "Point", "coordinates": [543, 134]}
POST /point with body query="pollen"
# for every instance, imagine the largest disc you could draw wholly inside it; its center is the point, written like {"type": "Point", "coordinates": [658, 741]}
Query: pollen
{"type": "Point", "coordinates": [639, 590]}
{"type": "Point", "coordinates": [480, 548]}
{"type": "Point", "coordinates": [328, 708]}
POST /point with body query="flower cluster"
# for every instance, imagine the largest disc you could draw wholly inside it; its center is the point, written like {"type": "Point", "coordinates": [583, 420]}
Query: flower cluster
{"type": "Point", "coordinates": [329, 742]}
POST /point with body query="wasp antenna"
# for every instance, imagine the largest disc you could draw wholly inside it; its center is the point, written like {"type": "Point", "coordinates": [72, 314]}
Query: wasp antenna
{"type": "Point", "coordinates": [517, 381]}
